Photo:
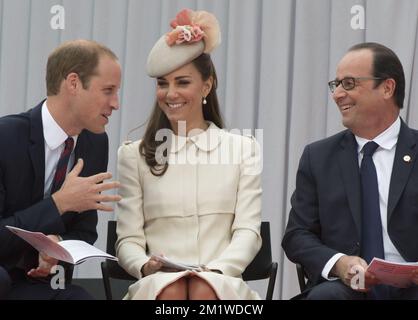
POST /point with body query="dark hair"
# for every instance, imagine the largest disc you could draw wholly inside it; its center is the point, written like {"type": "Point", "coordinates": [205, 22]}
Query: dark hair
{"type": "Point", "coordinates": [78, 56]}
{"type": "Point", "coordinates": [386, 65]}
{"type": "Point", "coordinates": [159, 120]}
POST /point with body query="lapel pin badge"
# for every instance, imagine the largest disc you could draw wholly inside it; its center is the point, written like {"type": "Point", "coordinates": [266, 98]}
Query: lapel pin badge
{"type": "Point", "coordinates": [407, 158]}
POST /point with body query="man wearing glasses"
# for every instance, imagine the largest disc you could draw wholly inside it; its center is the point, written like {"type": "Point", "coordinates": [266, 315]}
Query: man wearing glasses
{"type": "Point", "coordinates": [356, 192]}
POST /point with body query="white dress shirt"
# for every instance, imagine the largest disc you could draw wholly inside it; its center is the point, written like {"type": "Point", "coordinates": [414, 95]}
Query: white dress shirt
{"type": "Point", "coordinates": [383, 159]}
{"type": "Point", "coordinates": [54, 138]}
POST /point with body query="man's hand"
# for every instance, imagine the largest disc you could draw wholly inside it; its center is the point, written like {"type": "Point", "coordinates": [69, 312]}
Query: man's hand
{"type": "Point", "coordinates": [415, 277]}
{"type": "Point", "coordinates": [45, 263]}
{"type": "Point", "coordinates": [84, 193]}
{"type": "Point", "coordinates": [348, 266]}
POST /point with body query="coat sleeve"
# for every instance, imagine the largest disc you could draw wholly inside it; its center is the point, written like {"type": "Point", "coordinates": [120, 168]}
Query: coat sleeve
{"type": "Point", "coordinates": [301, 242]}
{"type": "Point", "coordinates": [245, 231]}
{"type": "Point", "coordinates": [131, 243]}
{"type": "Point", "coordinates": [42, 216]}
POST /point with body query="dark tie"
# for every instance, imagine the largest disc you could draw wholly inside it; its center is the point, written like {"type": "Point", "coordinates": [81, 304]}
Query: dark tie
{"type": "Point", "coordinates": [371, 228]}
{"type": "Point", "coordinates": [61, 170]}
{"type": "Point", "coordinates": [372, 238]}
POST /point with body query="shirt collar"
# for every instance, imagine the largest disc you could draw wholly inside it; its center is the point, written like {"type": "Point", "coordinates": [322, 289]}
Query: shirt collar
{"type": "Point", "coordinates": [53, 134]}
{"type": "Point", "coordinates": [386, 140]}
{"type": "Point", "coordinates": [207, 140]}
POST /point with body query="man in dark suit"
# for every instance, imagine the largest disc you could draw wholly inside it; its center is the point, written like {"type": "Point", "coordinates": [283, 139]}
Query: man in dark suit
{"type": "Point", "coordinates": [83, 79]}
{"type": "Point", "coordinates": [5, 283]}
{"type": "Point", "coordinates": [326, 231]}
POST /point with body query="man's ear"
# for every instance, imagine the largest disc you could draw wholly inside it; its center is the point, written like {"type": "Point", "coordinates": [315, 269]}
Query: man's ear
{"type": "Point", "coordinates": [72, 82]}
{"type": "Point", "coordinates": [389, 86]}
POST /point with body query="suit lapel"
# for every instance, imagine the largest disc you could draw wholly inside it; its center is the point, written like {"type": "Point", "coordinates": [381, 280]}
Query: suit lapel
{"type": "Point", "coordinates": [348, 160]}
{"type": "Point", "coordinates": [80, 151]}
{"type": "Point", "coordinates": [406, 146]}
{"type": "Point", "coordinates": [37, 152]}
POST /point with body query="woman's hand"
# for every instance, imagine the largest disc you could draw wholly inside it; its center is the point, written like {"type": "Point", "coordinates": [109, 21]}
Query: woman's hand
{"type": "Point", "coordinates": [152, 266]}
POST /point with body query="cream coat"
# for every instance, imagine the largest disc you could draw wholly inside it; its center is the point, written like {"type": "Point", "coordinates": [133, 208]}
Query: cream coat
{"type": "Point", "coordinates": [206, 209]}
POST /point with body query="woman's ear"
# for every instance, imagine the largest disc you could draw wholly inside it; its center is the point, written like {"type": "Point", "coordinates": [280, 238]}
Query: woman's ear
{"type": "Point", "coordinates": [207, 87]}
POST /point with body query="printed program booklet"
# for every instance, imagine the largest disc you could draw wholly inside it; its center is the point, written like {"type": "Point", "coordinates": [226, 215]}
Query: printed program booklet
{"type": "Point", "coordinates": [396, 274]}
{"type": "Point", "coordinates": [71, 251]}
{"type": "Point", "coordinates": [176, 265]}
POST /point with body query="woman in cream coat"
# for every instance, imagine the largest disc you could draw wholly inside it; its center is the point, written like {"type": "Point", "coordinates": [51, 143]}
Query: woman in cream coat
{"type": "Point", "coordinates": [194, 196]}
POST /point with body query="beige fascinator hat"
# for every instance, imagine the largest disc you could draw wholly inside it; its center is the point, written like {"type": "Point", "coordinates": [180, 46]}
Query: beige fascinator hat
{"type": "Point", "coordinates": [194, 33]}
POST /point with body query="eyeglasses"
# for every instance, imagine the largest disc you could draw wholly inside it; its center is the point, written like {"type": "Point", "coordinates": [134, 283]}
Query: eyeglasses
{"type": "Point", "coordinates": [348, 83]}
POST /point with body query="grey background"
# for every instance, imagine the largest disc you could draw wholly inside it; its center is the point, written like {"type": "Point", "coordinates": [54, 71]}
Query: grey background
{"type": "Point", "coordinates": [273, 65]}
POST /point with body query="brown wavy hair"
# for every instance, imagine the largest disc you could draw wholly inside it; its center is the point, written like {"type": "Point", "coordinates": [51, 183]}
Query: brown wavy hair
{"type": "Point", "coordinates": [159, 120]}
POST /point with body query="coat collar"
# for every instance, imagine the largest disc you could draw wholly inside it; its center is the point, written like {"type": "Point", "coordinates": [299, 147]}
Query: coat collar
{"type": "Point", "coordinates": [37, 151]}
{"type": "Point", "coordinates": [348, 161]}
{"type": "Point", "coordinates": [54, 135]}
{"type": "Point", "coordinates": [405, 149]}
{"type": "Point", "coordinates": [206, 141]}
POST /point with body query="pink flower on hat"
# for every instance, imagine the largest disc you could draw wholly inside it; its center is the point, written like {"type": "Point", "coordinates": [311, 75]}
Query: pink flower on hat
{"type": "Point", "coordinates": [184, 34]}
{"type": "Point", "coordinates": [192, 26]}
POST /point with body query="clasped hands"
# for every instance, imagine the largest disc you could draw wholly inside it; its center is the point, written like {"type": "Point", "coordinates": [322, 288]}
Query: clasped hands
{"type": "Point", "coordinates": [154, 265]}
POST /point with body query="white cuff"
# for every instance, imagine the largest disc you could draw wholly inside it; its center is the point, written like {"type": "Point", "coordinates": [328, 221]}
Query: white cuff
{"type": "Point", "coordinates": [331, 262]}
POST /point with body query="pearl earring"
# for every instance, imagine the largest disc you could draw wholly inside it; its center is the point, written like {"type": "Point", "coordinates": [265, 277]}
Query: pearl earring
{"type": "Point", "coordinates": [204, 100]}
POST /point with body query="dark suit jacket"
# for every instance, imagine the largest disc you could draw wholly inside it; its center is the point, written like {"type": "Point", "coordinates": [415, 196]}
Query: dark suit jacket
{"type": "Point", "coordinates": [22, 171]}
{"type": "Point", "coordinates": [5, 283]}
{"type": "Point", "coordinates": [326, 206]}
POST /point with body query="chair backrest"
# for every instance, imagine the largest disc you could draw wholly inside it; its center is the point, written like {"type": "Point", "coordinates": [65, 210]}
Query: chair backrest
{"type": "Point", "coordinates": [302, 278]}
{"type": "Point", "coordinates": [111, 237]}
{"type": "Point", "coordinates": [260, 267]}
{"type": "Point", "coordinates": [115, 270]}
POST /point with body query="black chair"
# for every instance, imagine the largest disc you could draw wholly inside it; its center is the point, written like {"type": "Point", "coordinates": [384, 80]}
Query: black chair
{"type": "Point", "coordinates": [302, 279]}
{"type": "Point", "coordinates": [262, 267]}
{"type": "Point", "coordinates": [110, 268]}
{"type": "Point", "coordinates": [69, 270]}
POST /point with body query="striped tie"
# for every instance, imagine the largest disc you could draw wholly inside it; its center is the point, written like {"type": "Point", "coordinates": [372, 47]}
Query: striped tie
{"type": "Point", "coordinates": [61, 171]}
